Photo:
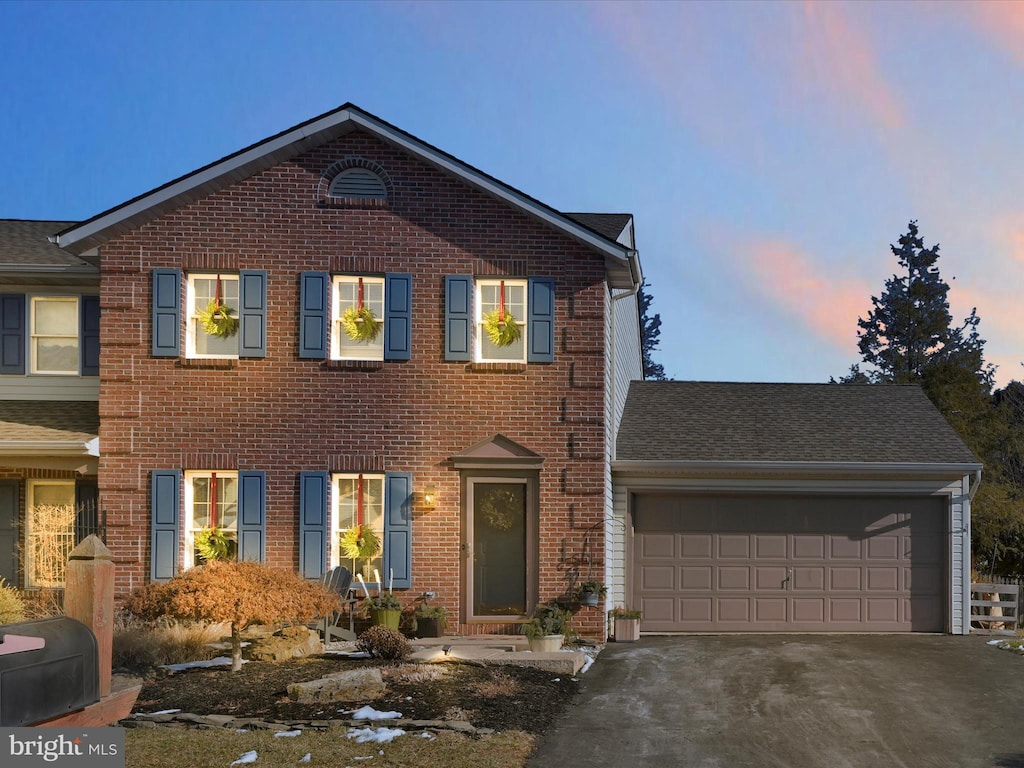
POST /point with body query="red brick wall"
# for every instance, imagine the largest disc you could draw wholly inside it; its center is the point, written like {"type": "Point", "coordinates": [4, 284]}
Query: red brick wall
{"type": "Point", "coordinates": [285, 415]}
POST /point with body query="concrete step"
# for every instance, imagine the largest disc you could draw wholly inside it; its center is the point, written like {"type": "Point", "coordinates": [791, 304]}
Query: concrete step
{"type": "Point", "coordinates": [559, 662]}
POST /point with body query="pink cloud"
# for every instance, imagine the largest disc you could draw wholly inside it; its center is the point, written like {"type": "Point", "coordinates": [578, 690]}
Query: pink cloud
{"type": "Point", "coordinates": [839, 53]}
{"type": "Point", "coordinates": [1001, 22]}
{"type": "Point", "coordinates": [811, 292]}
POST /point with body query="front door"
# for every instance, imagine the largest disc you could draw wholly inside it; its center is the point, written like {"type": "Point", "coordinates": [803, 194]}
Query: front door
{"type": "Point", "coordinates": [9, 531]}
{"type": "Point", "coordinates": [498, 547]}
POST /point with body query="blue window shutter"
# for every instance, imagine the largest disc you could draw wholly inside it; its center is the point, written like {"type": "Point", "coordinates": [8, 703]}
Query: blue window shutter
{"type": "Point", "coordinates": [398, 528]}
{"type": "Point", "coordinates": [313, 523]}
{"type": "Point", "coordinates": [13, 333]}
{"type": "Point", "coordinates": [166, 313]}
{"type": "Point", "coordinates": [540, 331]}
{"type": "Point", "coordinates": [252, 516]}
{"type": "Point", "coordinates": [458, 317]}
{"type": "Point", "coordinates": [165, 507]}
{"type": "Point", "coordinates": [313, 291]}
{"type": "Point", "coordinates": [252, 313]}
{"type": "Point", "coordinates": [397, 316]}
{"type": "Point", "coordinates": [89, 330]}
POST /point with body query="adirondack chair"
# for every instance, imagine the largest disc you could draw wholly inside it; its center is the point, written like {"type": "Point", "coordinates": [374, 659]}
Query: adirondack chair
{"type": "Point", "coordinates": [339, 581]}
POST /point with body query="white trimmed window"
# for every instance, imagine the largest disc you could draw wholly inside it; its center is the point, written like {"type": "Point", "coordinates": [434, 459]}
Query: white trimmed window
{"type": "Point", "coordinates": [50, 531]}
{"type": "Point", "coordinates": [54, 335]}
{"type": "Point", "coordinates": [211, 502]}
{"type": "Point", "coordinates": [500, 298]}
{"type": "Point", "coordinates": [357, 499]}
{"type": "Point", "coordinates": [202, 290]}
{"type": "Point", "coordinates": [349, 294]}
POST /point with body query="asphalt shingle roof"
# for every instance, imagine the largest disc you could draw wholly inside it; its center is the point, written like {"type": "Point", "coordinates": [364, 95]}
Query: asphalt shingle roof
{"type": "Point", "coordinates": [25, 242]}
{"type": "Point", "coordinates": [723, 421]}
{"type": "Point", "coordinates": [48, 420]}
{"type": "Point", "coordinates": [608, 225]}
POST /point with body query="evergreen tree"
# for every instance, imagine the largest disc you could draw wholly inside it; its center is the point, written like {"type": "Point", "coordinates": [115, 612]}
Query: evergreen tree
{"type": "Point", "coordinates": [910, 328]}
{"type": "Point", "coordinates": [650, 331]}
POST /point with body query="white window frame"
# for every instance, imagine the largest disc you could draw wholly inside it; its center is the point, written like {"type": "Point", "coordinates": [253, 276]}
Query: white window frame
{"type": "Point", "coordinates": [192, 329]}
{"type": "Point", "coordinates": [30, 502]}
{"type": "Point", "coordinates": [335, 555]}
{"type": "Point", "coordinates": [34, 337]}
{"type": "Point", "coordinates": [189, 511]}
{"type": "Point", "coordinates": [374, 351]}
{"type": "Point", "coordinates": [478, 309]}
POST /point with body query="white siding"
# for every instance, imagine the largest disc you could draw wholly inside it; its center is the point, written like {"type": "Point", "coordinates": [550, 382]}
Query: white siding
{"type": "Point", "coordinates": [960, 556]}
{"type": "Point", "coordinates": [628, 356]}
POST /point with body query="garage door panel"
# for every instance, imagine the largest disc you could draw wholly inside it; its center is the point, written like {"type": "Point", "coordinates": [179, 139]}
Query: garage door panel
{"type": "Point", "coordinates": [697, 545]}
{"type": "Point", "coordinates": [771, 547]}
{"type": "Point", "coordinates": [790, 563]}
{"type": "Point", "coordinates": [695, 577]}
{"type": "Point", "coordinates": [734, 577]}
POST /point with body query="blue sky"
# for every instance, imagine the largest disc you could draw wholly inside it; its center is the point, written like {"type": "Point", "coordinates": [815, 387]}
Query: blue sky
{"type": "Point", "coordinates": [770, 152]}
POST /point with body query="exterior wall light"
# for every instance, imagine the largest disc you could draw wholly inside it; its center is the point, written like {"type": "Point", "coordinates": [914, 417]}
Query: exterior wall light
{"type": "Point", "coordinates": [430, 497]}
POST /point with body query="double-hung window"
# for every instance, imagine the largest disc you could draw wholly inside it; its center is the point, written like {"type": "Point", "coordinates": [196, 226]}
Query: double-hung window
{"type": "Point", "coordinates": [212, 316]}
{"type": "Point", "coordinates": [54, 335]}
{"type": "Point", "coordinates": [500, 304]}
{"type": "Point", "coordinates": [358, 518]}
{"type": "Point", "coordinates": [211, 516]}
{"type": "Point", "coordinates": [357, 318]}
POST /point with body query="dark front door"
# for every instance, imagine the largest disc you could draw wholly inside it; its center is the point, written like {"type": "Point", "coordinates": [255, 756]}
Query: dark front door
{"type": "Point", "coordinates": [9, 531]}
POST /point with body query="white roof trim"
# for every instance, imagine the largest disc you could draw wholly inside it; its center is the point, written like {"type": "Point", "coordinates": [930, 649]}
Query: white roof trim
{"type": "Point", "coordinates": [50, 447]}
{"type": "Point", "coordinates": [808, 468]}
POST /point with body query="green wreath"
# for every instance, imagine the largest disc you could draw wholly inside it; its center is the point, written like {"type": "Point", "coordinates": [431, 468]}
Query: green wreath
{"type": "Point", "coordinates": [502, 333]}
{"type": "Point", "coordinates": [360, 542]}
{"type": "Point", "coordinates": [213, 544]}
{"type": "Point", "coordinates": [218, 320]}
{"type": "Point", "coordinates": [361, 324]}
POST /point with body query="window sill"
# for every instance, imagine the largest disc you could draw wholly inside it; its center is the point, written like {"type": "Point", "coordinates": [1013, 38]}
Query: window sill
{"type": "Point", "coordinates": [207, 362]}
{"type": "Point", "coordinates": [354, 365]}
{"type": "Point", "coordinates": [496, 367]}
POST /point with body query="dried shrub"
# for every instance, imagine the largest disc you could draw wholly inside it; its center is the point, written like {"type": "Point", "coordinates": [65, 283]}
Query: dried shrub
{"type": "Point", "coordinates": [384, 643]}
{"type": "Point", "coordinates": [12, 608]}
{"type": "Point", "coordinates": [49, 544]}
{"type": "Point", "coordinates": [140, 645]}
{"type": "Point", "coordinates": [500, 684]}
{"type": "Point", "coordinates": [238, 593]}
{"type": "Point", "coordinates": [43, 603]}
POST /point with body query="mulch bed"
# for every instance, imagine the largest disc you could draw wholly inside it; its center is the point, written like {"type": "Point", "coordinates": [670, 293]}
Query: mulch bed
{"type": "Point", "coordinates": [497, 697]}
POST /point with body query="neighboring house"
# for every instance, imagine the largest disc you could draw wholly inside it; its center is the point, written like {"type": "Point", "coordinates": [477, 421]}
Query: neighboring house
{"type": "Point", "coordinates": [792, 507]}
{"type": "Point", "coordinates": [484, 468]}
{"type": "Point", "coordinates": [49, 392]}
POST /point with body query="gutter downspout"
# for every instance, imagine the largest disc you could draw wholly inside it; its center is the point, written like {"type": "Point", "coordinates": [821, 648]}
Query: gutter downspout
{"type": "Point", "coordinates": [965, 543]}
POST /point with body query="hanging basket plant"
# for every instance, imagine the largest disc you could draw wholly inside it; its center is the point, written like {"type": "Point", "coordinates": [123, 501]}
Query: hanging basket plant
{"type": "Point", "coordinates": [361, 324]}
{"type": "Point", "coordinates": [213, 544]}
{"type": "Point", "coordinates": [503, 332]}
{"type": "Point", "coordinates": [218, 319]}
{"type": "Point", "coordinates": [360, 542]}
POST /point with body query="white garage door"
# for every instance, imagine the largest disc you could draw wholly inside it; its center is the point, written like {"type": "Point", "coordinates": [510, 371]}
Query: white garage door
{"type": "Point", "coordinates": [737, 563]}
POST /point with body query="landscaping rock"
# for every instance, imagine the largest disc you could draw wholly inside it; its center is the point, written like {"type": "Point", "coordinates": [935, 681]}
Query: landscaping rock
{"type": "Point", "coordinates": [351, 685]}
{"type": "Point", "coordinates": [289, 643]}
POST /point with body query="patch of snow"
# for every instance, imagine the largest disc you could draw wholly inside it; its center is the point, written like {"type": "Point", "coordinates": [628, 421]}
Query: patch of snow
{"type": "Point", "coordinates": [306, 758]}
{"type": "Point", "coordinates": [283, 734]}
{"type": "Point", "coordinates": [349, 654]}
{"type": "Point", "coordinates": [369, 713]}
{"type": "Point", "coordinates": [220, 661]}
{"type": "Point", "coordinates": [161, 712]}
{"type": "Point", "coordinates": [556, 680]}
{"type": "Point", "coordinates": [427, 735]}
{"type": "Point", "coordinates": [587, 664]}
{"type": "Point", "coordinates": [994, 642]}
{"type": "Point", "coordinates": [248, 757]}
{"type": "Point", "coordinates": [377, 736]}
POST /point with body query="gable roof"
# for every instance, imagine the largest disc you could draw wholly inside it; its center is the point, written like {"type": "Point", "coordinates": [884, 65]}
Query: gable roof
{"type": "Point", "coordinates": [621, 262]}
{"type": "Point", "coordinates": [25, 245]}
{"type": "Point", "coordinates": [706, 422]}
{"type": "Point", "coordinates": [496, 451]}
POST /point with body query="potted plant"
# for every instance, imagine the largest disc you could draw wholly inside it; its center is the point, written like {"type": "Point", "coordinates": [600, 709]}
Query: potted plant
{"type": "Point", "coordinates": [429, 620]}
{"type": "Point", "coordinates": [626, 622]}
{"type": "Point", "coordinates": [590, 592]}
{"type": "Point", "coordinates": [383, 609]}
{"type": "Point", "coordinates": [547, 626]}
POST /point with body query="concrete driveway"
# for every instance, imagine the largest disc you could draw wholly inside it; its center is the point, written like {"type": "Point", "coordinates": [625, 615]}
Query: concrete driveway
{"type": "Point", "coordinates": [800, 701]}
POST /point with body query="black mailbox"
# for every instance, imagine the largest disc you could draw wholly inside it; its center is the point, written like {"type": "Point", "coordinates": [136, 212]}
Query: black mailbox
{"type": "Point", "coordinates": [47, 668]}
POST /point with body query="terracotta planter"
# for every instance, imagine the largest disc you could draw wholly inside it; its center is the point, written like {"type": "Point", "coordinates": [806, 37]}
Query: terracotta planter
{"type": "Point", "coordinates": [546, 643]}
{"type": "Point", "coordinates": [627, 630]}
{"type": "Point", "coordinates": [386, 617]}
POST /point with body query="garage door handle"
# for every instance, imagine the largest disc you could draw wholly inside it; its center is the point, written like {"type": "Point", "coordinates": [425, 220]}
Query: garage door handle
{"type": "Point", "coordinates": [789, 576]}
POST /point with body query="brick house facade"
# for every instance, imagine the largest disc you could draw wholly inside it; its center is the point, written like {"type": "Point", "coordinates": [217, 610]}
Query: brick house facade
{"type": "Point", "coordinates": [485, 468]}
